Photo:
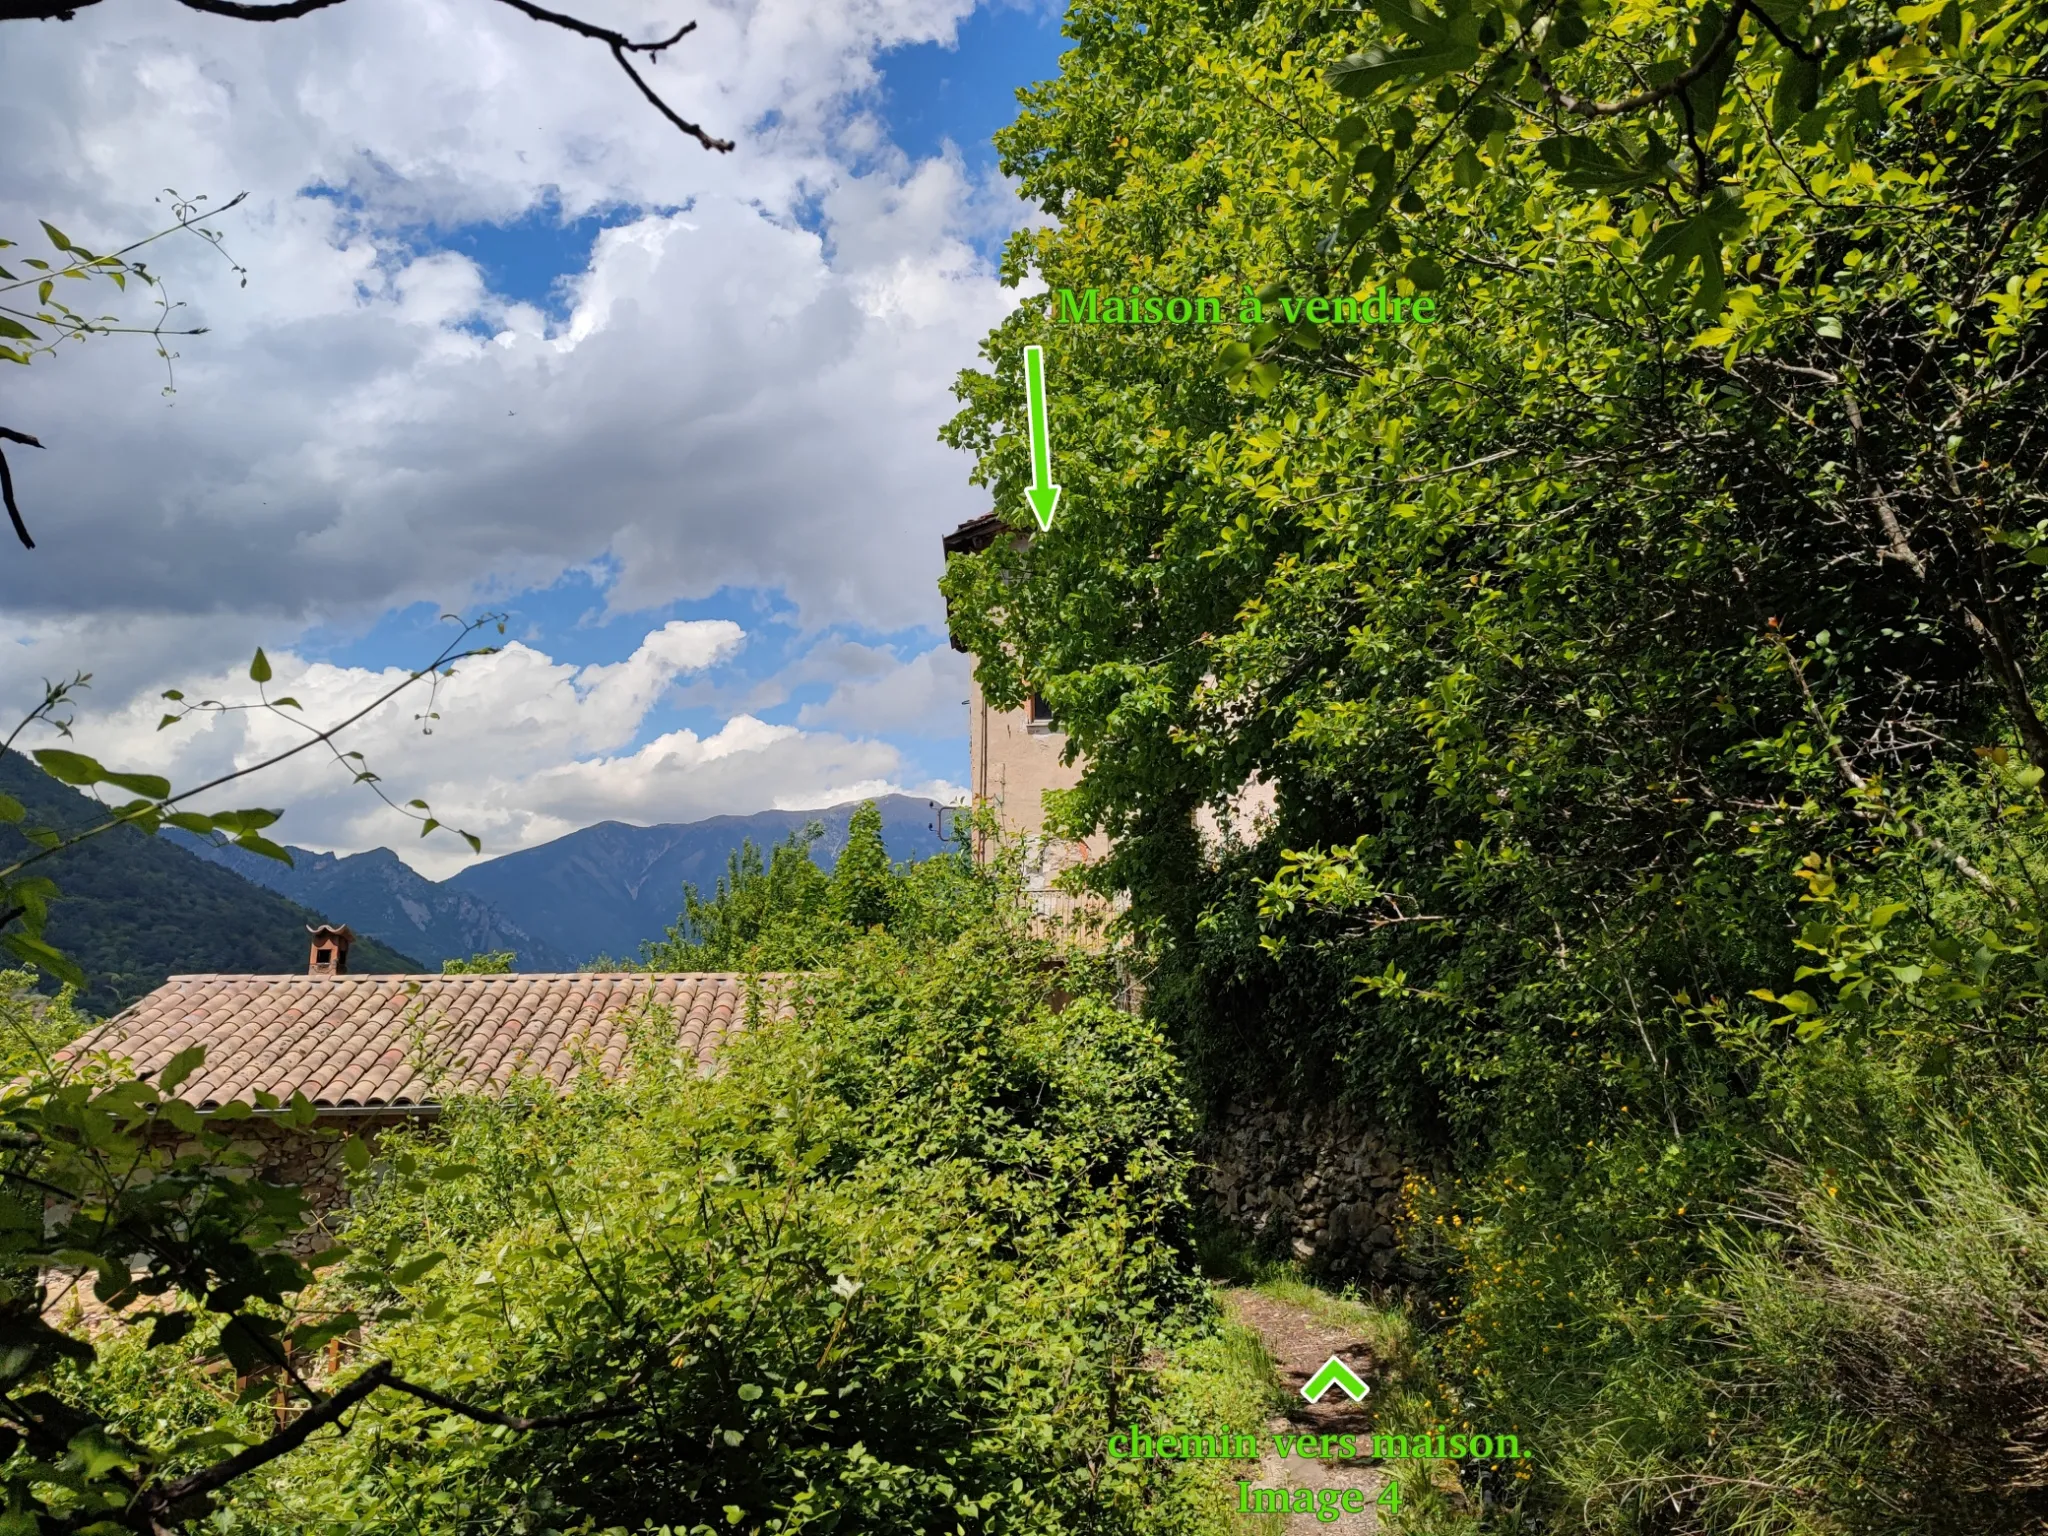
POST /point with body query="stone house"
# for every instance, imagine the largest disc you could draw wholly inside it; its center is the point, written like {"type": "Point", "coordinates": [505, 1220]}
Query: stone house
{"type": "Point", "coordinates": [1014, 756]}
{"type": "Point", "coordinates": [374, 1051]}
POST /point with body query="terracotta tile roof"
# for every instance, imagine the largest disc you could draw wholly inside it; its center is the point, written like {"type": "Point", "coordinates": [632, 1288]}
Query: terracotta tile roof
{"type": "Point", "coordinates": [407, 1042]}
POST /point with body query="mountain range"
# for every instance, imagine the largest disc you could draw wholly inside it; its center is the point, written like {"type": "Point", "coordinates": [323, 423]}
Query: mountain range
{"type": "Point", "coordinates": [136, 909]}
{"type": "Point", "coordinates": [602, 891]}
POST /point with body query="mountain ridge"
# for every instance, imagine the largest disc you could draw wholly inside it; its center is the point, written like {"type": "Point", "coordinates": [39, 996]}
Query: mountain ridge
{"type": "Point", "coordinates": [136, 909]}
{"type": "Point", "coordinates": [600, 890]}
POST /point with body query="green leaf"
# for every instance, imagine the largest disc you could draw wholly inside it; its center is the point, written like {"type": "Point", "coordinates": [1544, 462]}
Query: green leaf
{"type": "Point", "coordinates": [33, 950]}
{"type": "Point", "coordinates": [56, 235]}
{"type": "Point", "coordinates": [1797, 90]}
{"type": "Point", "coordinates": [1705, 93]}
{"type": "Point", "coordinates": [250, 1343]}
{"type": "Point", "coordinates": [259, 669]}
{"type": "Point", "coordinates": [147, 784]}
{"type": "Point", "coordinates": [308, 1337]}
{"type": "Point", "coordinates": [1362, 74]}
{"type": "Point", "coordinates": [182, 1116]}
{"type": "Point", "coordinates": [15, 329]}
{"type": "Point", "coordinates": [263, 846]}
{"type": "Point", "coordinates": [412, 1270]}
{"type": "Point", "coordinates": [191, 821]}
{"type": "Point", "coordinates": [11, 809]}
{"type": "Point", "coordinates": [169, 1327]}
{"type": "Point", "coordinates": [69, 767]}
{"type": "Point", "coordinates": [1588, 166]}
{"type": "Point", "coordinates": [355, 1153]}
{"type": "Point", "coordinates": [180, 1067]}
{"type": "Point", "coordinates": [1426, 274]}
{"type": "Point", "coordinates": [253, 819]}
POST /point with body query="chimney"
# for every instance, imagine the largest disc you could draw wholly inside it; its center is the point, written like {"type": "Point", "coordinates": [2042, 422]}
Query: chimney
{"type": "Point", "coordinates": [330, 950]}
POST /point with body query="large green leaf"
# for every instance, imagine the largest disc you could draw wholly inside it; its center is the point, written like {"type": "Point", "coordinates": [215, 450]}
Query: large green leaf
{"type": "Point", "coordinates": [1362, 74]}
{"type": "Point", "coordinates": [68, 767]}
{"type": "Point", "coordinates": [146, 784]}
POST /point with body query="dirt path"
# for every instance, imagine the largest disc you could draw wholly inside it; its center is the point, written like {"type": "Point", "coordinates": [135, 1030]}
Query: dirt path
{"type": "Point", "coordinates": [1299, 1344]}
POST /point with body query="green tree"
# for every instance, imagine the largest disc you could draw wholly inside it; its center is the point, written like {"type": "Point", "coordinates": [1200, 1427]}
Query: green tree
{"type": "Point", "coordinates": [759, 916]}
{"type": "Point", "coordinates": [488, 962]}
{"type": "Point", "coordinates": [862, 885]}
{"type": "Point", "coordinates": [896, 1268]}
{"type": "Point", "coordinates": [1641, 656]}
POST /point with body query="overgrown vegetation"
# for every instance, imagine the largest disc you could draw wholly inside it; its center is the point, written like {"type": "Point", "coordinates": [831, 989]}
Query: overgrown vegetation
{"type": "Point", "coordinates": [892, 1268]}
{"type": "Point", "coordinates": [786, 914]}
{"type": "Point", "coordinates": [1640, 658]}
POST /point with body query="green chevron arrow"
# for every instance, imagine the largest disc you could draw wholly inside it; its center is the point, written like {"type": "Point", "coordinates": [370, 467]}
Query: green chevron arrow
{"type": "Point", "coordinates": [1335, 1373]}
{"type": "Point", "coordinates": [1043, 494]}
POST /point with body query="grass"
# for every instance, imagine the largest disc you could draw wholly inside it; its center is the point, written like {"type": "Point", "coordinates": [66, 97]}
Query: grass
{"type": "Point", "coordinates": [1224, 1379]}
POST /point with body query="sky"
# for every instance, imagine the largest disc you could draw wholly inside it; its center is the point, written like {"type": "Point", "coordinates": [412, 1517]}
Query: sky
{"type": "Point", "coordinates": [488, 337]}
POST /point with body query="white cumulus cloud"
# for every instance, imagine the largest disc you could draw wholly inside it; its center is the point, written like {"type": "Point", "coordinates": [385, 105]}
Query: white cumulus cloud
{"type": "Point", "coordinates": [516, 747]}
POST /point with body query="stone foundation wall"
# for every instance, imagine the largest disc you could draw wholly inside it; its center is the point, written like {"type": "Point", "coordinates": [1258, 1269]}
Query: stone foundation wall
{"type": "Point", "coordinates": [1313, 1184]}
{"type": "Point", "coordinates": [312, 1161]}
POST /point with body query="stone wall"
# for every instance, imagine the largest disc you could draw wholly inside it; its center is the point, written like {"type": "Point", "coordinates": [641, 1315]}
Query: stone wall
{"type": "Point", "coordinates": [1313, 1184]}
{"type": "Point", "coordinates": [311, 1159]}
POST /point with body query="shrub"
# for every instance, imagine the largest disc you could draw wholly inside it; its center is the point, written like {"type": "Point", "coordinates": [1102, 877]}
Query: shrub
{"type": "Point", "coordinates": [890, 1269]}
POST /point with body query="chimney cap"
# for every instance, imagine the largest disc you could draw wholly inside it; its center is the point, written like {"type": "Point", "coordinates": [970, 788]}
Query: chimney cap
{"type": "Point", "coordinates": [329, 950]}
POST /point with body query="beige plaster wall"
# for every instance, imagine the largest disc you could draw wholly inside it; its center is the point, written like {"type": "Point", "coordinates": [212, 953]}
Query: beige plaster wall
{"type": "Point", "coordinates": [1011, 764]}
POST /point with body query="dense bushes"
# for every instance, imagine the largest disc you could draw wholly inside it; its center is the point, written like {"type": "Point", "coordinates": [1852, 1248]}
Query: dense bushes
{"type": "Point", "coordinates": [891, 1269]}
{"type": "Point", "coordinates": [1638, 658]}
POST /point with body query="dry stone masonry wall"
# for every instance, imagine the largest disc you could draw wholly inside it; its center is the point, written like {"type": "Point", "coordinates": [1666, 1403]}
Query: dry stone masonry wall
{"type": "Point", "coordinates": [1313, 1184]}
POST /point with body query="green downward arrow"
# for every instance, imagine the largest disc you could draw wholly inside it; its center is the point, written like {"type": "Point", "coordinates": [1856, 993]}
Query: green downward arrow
{"type": "Point", "coordinates": [1335, 1373]}
{"type": "Point", "coordinates": [1043, 494]}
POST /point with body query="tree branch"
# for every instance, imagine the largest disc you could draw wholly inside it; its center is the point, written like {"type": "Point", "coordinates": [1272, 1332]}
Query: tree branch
{"type": "Point", "coordinates": [7, 486]}
{"type": "Point", "coordinates": [290, 10]}
{"type": "Point", "coordinates": [1579, 107]}
{"type": "Point", "coordinates": [509, 1420]}
{"type": "Point", "coordinates": [156, 1501]}
{"type": "Point", "coordinates": [446, 658]}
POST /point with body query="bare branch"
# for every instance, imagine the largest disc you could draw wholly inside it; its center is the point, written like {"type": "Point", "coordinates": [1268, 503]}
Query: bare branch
{"type": "Point", "coordinates": [7, 486]}
{"type": "Point", "coordinates": [288, 11]}
{"type": "Point", "coordinates": [510, 1420]}
{"type": "Point", "coordinates": [156, 1501]}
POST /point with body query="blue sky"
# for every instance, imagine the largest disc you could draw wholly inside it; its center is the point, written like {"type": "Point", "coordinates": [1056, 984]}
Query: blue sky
{"type": "Point", "coordinates": [508, 342]}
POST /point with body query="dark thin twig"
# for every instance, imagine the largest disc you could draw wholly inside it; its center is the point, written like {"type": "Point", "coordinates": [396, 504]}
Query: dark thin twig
{"type": "Point", "coordinates": [7, 486]}
{"type": "Point", "coordinates": [509, 1420]}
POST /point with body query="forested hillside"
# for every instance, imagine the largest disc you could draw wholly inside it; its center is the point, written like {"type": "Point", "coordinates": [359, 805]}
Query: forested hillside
{"type": "Point", "coordinates": [1643, 656]}
{"type": "Point", "coordinates": [135, 909]}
